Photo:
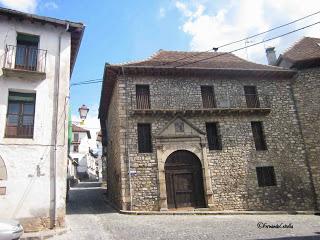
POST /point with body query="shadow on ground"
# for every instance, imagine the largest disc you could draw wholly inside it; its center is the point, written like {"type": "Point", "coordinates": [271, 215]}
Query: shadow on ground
{"type": "Point", "coordinates": [314, 237]}
{"type": "Point", "coordinates": [88, 198]}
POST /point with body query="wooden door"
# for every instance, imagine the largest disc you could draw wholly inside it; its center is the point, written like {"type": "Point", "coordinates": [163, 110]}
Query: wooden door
{"type": "Point", "coordinates": [184, 180]}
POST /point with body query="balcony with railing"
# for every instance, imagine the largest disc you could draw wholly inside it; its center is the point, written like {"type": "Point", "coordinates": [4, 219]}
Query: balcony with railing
{"type": "Point", "coordinates": [25, 61]}
{"type": "Point", "coordinates": [223, 104]}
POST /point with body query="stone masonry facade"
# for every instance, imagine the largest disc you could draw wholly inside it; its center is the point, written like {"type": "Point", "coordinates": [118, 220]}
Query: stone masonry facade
{"type": "Point", "coordinates": [307, 96]}
{"type": "Point", "coordinates": [230, 178]}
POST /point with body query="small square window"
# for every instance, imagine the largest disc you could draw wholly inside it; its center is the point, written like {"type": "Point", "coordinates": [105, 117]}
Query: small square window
{"type": "Point", "coordinates": [266, 176]}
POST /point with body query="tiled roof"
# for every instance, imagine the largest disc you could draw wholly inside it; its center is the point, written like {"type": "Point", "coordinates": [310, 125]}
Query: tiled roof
{"type": "Point", "coordinates": [210, 60]}
{"type": "Point", "coordinates": [76, 128]}
{"type": "Point", "coordinates": [306, 49]}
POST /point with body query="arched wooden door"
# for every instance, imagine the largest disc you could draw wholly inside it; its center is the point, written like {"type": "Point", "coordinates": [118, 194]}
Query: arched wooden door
{"type": "Point", "coordinates": [184, 180]}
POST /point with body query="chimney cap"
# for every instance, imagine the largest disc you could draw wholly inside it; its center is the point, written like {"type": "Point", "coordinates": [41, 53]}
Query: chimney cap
{"type": "Point", "coordinates": [270, 49]}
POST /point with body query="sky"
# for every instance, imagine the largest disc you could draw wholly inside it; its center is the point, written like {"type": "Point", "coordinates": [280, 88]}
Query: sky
{"type": "Point", "coordinates": [124, 30]}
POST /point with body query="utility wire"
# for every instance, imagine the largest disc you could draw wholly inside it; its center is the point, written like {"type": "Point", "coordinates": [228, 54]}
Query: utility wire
{"type": "Point", "coordinates": [94, 81]}
{"type": "Point", "coordinates": [238, 49]}
{"type": "Point", "coordinates": [237, 41]}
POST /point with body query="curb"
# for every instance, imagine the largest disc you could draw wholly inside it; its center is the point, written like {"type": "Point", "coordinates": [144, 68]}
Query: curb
{"type": "Point", "coordinates": [43, 234]}
{"type": "Point", "coordinates": [197, 212]}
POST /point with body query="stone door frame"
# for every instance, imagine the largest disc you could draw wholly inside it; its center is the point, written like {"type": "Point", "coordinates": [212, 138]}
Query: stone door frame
{"type": "Point", "coordinates": [194, 144]}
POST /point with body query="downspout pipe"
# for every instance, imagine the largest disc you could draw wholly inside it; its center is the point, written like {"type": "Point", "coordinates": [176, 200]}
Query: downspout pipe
{"type": "Point", "coordinates": [53, 199]}
{"type": "Point", "coordinates": [126, 137]}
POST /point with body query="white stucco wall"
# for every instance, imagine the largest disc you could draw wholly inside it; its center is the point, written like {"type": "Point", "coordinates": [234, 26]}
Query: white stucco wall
{"type": "Point", "coordinates": [28, 195]}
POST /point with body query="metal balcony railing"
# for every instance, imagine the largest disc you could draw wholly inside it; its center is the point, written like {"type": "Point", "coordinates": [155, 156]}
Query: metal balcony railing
{"type": "Point", "coordinates": [27, 58]}
{"type": "Point", "coordinates": [222, 102]}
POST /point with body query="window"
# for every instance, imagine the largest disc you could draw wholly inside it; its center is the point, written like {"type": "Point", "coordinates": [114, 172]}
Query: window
{"type": "Point", "coordinates": [208, 99]}
{"type": "Point", "coordinates": [266, 176]}
{"type": "Point", "coordinates": [258, 136]}
{"type": "Point", "coordinates": [27, 52]}
{"type": "Point", "coordinates": [143, 96]}
{"type": "Point", "coordinates": [76, 148]}
{"type": "Point", "coordinates": [144, 138]}
{"type": "Point", "coordinates": [76, 137]}
{"type": "Point", "coordinates": [251, 95]}
{"type": "Point", "coordinates": [214, 139]}
{"type": "Point", "coordinates": [20, 115]}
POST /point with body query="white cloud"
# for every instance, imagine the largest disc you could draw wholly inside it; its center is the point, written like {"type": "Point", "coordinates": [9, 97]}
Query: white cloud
{"type": "Point", "coordinates": [21, 5]}
{"type": "Point", "coordinates": [162, 12]}
{"type": "Point", "coordinates": [212, 26]}
{"type": "Point", "coordinates": [50, 5]}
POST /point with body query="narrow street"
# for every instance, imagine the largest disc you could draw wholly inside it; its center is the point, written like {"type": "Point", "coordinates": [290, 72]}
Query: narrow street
{"type": "Point", "coordinates": [89, 217]}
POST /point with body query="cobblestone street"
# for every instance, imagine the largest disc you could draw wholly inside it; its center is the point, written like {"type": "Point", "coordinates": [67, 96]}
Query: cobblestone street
{"type": "Point", "coordinates": [89, 217]}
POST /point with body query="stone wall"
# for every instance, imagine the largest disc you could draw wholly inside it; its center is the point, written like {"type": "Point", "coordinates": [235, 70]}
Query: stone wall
{"type": "Point", "coordinates": [232, 169]}
{"type": "Point", "coordinates": [307, 95]}
{"type": "Point", "coordinates": [113, 150]}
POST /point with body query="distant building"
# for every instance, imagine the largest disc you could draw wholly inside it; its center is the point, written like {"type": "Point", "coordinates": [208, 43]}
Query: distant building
{"type": "Point", "coordinates": [37, 58]}
{"type": "Point", "coordinates": [210, 130]}
{"type": "Point", "coordinates": [80, 152]}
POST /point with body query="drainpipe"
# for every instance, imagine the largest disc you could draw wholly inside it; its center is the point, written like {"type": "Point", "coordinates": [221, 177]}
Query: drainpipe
{"type": "Point", "coordinates": [53, 199]}
{"type": "Point", "coordinates": [126, 138]}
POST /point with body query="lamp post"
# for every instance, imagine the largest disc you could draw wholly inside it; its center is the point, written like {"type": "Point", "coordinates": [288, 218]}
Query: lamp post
{"type": "Point", "coordinates": [83, 112]}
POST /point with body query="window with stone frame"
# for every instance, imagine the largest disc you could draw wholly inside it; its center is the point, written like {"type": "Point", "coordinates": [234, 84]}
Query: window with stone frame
{"type": "Point", "coordinates": [144, 138]}
{"type": "Point", "coordinates": [143, 96]}
{"type": "Point", "coordinates": [213, 136]}
{"type": "Point", "coordinates": [208, 98]}
{"type": "Point", "coordinates": [266, 176]}
{"type": "Point", "coordinates": [20, 115]}
{"type": "Point", "coordinates": [258, 136]}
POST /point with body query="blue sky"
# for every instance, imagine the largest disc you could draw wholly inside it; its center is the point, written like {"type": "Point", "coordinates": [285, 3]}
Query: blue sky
{"type": "Point", "coordinates": [119, 31]}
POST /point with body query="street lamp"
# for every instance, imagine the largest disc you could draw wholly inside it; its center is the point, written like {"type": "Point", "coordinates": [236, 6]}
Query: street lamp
{"type": "Point", "coordinates": [83, 111]}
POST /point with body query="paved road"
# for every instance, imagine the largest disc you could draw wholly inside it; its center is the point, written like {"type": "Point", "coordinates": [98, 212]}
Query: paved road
{"type": "Point", "coordinates": [89, 217]}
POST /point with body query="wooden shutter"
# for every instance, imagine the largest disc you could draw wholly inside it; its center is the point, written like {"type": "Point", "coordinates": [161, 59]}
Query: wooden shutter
{"type": "Point", "coordinates": [266, 176]}
{"type": "Point", "coordinates": [251, 95]}
{"type": "Point", "coordinates": [143, 96]}
{"type": "Point", "coordinates": [20, 115]}
{"type": "Point", "coordinates": [214, 141]}
{"type": "Point", "coordinates": [208, 99]}
{"type": "Point", "coordinates": [258, 136]}
{"type": "Point", "coordinates": [144, 138]}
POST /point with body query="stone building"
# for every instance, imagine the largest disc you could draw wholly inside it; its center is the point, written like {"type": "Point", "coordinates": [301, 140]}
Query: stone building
{"type": "Point", "coordinates": [37, 58]}
{"type": "Point", "coordinates": [304, 57]}
{"type": "Point", "coordinates": [210, 130]}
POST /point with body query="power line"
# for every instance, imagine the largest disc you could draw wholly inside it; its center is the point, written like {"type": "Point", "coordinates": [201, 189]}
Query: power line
{"type": "Point", "coordinates": [99, 80]}
{"type": "Point", "coordinates": [237, 41]}
{"type": "Point", "coordinates": [263, 41]}
{"type": "Point", "coordinates": [86, 82]}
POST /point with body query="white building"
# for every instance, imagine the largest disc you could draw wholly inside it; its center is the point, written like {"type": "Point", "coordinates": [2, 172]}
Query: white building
{"type": "Point", "coordinates": [37, 58]}
{"type": "Point", "coordinates": [80, 152]}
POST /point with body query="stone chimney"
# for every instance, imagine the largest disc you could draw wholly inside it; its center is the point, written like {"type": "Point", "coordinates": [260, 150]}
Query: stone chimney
{"type": "Point", "coordinates": [271, 56]}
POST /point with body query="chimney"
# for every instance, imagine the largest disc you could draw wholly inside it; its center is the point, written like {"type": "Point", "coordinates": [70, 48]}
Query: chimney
{"type": "Point", "coordinates": [271, 56]}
